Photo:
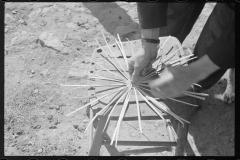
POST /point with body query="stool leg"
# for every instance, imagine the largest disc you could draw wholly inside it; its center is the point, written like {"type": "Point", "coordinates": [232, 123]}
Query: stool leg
{"type": "Point", "coordinates": [182, 133]}
{"type": "Point", "coordinates": [91, 128]}
{"type": "Point", "coordinates": [98, 137]}
{"type": "Point", "coordinates": [170, 134]}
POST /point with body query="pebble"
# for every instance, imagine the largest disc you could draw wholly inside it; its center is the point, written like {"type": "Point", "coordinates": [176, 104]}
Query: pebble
{"type": "Point", "coordinates": [30, 143]}
{"type": "Point", "coordinates": [15, 136]}
{"type": "Point", "coordinates": [13, 144]}
{"type": "Point", "coordinates": [53, 127]}
{"type": "Point", "coordinates": [75, 126]}
{"type": "Point", "coordinates": [19, 132]}
{"type": "Point", "coordinates": [32, 71]}
{"type": "Point", "coordinates": [40, 151]}
{"type": "Point", "coordinates": [37, 126]}
{"type": "Point", "coordinates": [14, 12]}
{"type": "Point", "coordinates": [85, 121]}
{"type": "Point", "coordinates": [51, 107]}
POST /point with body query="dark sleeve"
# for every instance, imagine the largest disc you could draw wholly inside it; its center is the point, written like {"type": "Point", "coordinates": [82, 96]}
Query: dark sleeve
{"type": "Point", "coordinates": [222, 50]}
{"type": "Point", "coordinates": [152, 15]}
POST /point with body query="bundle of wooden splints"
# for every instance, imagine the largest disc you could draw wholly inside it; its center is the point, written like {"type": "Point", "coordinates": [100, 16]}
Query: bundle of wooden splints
{"type": "Point", "coordinates": [124, 87]}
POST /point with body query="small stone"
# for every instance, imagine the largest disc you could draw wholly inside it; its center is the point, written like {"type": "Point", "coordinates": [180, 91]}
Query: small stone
{"type": "Point", "coordinates": [51, 107]}
{"type": "Point", "coordinates": [19, 132]}
{"type": "Point", "coordinates": [56, 123]}
{"type": "Point", "coordinates": [85, 121]}
{"type": "Point", "coordinates": [53, 127]}
{"type": "Point", "coordinates": [39, 151]}
{"type": "Point", "coordinates": [75, 126]}
{"type": "Point", "coordinates": [37, 126]}
{"type": "Point", "coordinates": [14, 12]}
{"type": "Point", "coordinates": [32, 71]}
{"type": "Point", "coordinates": [58, 107]}
{"type": "Point", "coordinates": [80, 129]}
{"type": "Point", "coordinates": [15, 136]}
{"type": "Point", "coordinates": [30, 143]}
{"type": "Point", "coordinates": [8, 128]}
{"type": "Point", "coordinates": [13, 144]}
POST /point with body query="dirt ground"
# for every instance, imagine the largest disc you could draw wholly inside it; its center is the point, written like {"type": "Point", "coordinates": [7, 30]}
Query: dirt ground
{"type": "Point", "coordinates": [41, 40]}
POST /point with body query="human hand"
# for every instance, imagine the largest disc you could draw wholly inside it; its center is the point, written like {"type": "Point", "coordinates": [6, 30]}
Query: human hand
{"type": "Point", "coordinates": [174, 81]}
{"type": "Point", "coordinates": [140, 63]}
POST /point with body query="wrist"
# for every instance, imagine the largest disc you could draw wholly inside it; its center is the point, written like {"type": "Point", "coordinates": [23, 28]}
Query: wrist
{"type": "Point", "coordinates": [150, 49]}
{"type": "Point", "coordinates": [152, 33]}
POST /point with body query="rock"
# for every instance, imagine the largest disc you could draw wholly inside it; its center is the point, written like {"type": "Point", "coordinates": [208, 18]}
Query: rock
{"type": "Point", "coordinates": [53, 127]}
{"type": "Point", "coordinates": [8, 128]}
{"type": "Point", "coordinates": [32, 71]}
{"type": "Point", "coordinates": [37, 126]}
{"type": "Point", "coordinates": [50, 41]}
{"type": "Point", "coordinates": [30, 143]}
{"type": "Point", "coordinates": [20, 132]}
{"type": "Point", "coordinates": [51, 107]}
{"type": "Point", "coordinates": [13, 144]}
{"type": "Point", "coordinates": [85, 121]}
{"type": "Point", "coordinates": [14, 12]}
{"type": "Point", "coordinates": [15, 136]}
{"type": "Point", "coordinates": [75, 126]}
{"type": "Point", "coordinates": [39, 151]}
{"type": "Point", "coordinates": [123, 30]}
{"type": "Point", "coordinates": [81, 129]}
{"type": "Point", "coordinates": [56, 123]}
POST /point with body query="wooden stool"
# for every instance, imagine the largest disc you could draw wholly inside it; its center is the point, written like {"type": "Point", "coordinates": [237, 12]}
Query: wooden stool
{"type": "Point", "coordinates": [97, 140]}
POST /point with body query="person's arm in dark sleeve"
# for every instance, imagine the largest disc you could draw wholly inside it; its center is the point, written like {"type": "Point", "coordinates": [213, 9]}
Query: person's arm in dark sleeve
{"type": "Point", "coordinates": [221, 48]}
{"type": "Point", "coordinates": [152, 15]}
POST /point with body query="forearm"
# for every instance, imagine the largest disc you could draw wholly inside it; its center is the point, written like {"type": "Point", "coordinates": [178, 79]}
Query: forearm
{"type": "Point", "coordinates": [150, 48]}
{"type": "Point", "coordinates": [202, 68]}
{"type": "Point", "coordinates": [152, 33]}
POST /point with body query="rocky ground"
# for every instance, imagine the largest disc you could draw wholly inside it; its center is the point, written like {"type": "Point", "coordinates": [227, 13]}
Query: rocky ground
{"type": "Point", "coordinates": [41, 40]}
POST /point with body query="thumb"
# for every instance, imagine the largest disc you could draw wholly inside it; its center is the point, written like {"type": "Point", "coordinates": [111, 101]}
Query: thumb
{"type": "Point", "coordinates": [136, 74]}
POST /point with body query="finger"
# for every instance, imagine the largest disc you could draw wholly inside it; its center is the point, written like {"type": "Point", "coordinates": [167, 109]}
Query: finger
{"type": "Point", "coordinates": [136, 74]}
{"type": "Point", "coordinates": [130, 68]}
{"type": "Point", "coordinates": [146, 69]}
